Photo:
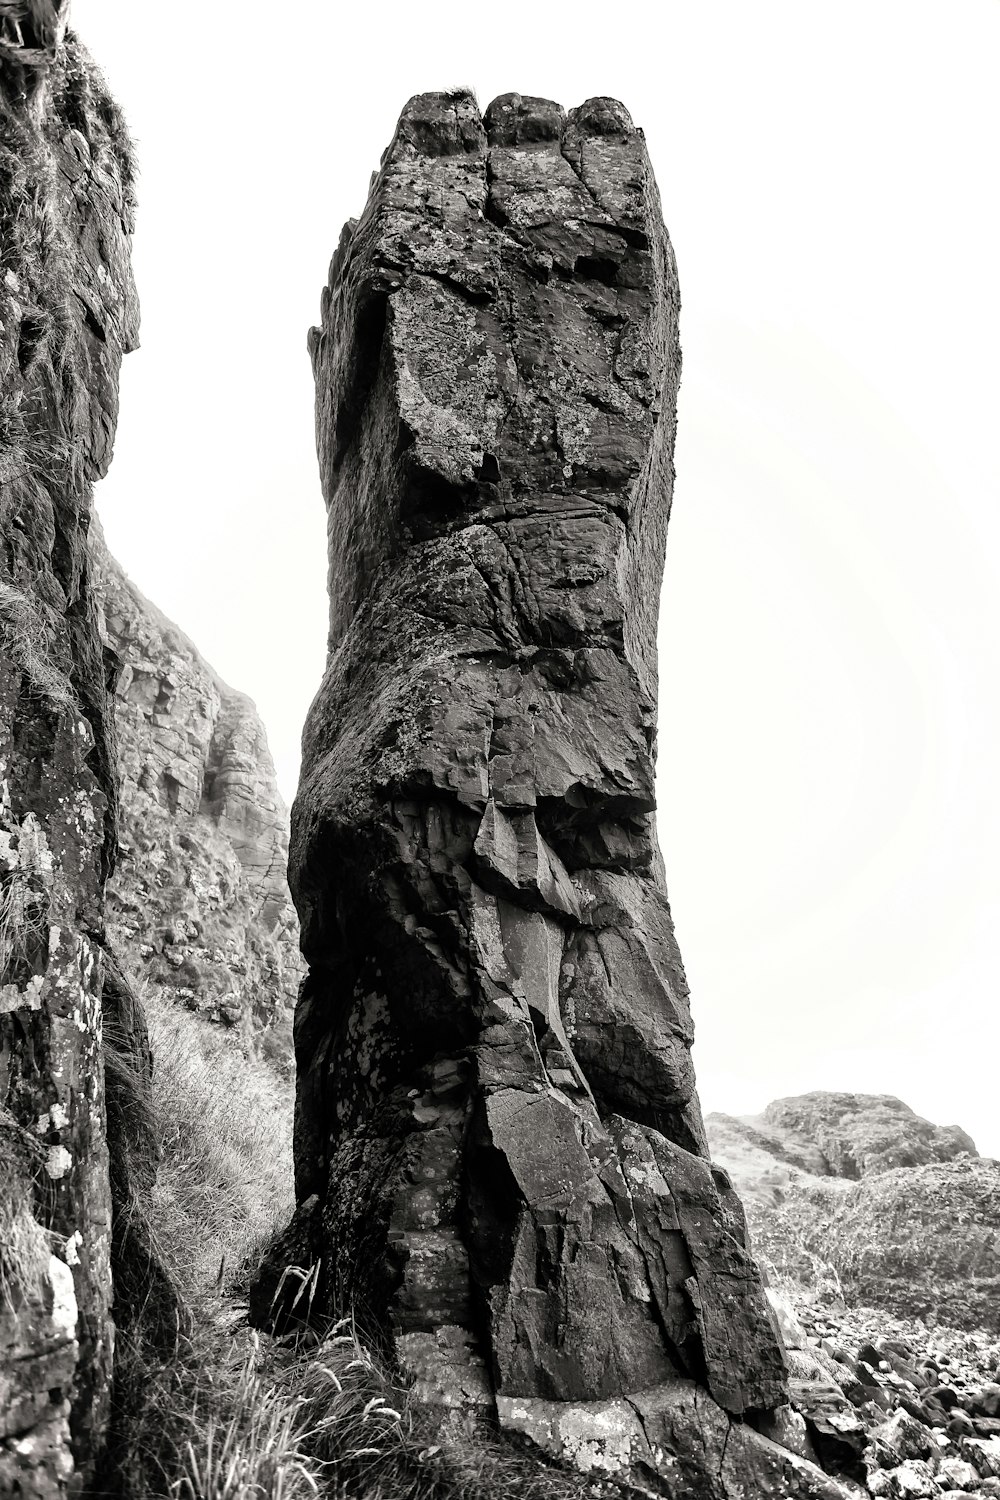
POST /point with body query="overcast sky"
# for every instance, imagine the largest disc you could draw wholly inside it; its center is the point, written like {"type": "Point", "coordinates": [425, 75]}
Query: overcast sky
{"type": "Point", "coordinates": [830, 650]}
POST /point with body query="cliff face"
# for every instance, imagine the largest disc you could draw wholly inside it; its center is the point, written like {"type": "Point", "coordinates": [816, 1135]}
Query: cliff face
{"type": "Point", "coordinates": [499, 1149]}
{"type": "Point", "coordinates": [200, 897]}
{"type": "Point", "coordinates": [67, 314]}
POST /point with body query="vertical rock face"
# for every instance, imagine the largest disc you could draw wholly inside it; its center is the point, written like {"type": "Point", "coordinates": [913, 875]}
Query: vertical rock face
{"type": "Point", "coordinates": [67, 314]}
{"type": "Point", "coordinates": [499, 1150]}
{"type": "Point", "coordinates": [200, 896]}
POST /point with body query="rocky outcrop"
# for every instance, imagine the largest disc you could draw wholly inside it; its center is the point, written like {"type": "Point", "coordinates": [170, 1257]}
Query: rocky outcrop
{"type": "Point", "coordinates": [499, 1151]}
{"type": "Point", "coordinates": [67, 314]}
{"type": "Point", "coordinates": [199, 899]}
{"type": "Point", "coordinates": [901, 1214]}
{"type": "Point", "coordinates": [852, 1135]}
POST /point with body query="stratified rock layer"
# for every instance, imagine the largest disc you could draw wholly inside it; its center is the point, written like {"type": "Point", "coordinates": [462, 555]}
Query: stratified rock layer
{"type": "Point", "coordinates": [199, 899]}
{"type": "Point", "coordinates": [67, 314]}
{"type": "Point", "coordinates": [500, 1158]}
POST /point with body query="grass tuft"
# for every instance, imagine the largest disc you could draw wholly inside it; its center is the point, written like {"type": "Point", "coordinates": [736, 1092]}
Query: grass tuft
{"type": "Point", "coordinates": [24, 1245]}
{"type": "Point", "coordinates": [26, 639]}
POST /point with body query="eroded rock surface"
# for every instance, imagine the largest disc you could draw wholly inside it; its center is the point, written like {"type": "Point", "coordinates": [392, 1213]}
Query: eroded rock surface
{"type": "Point", "coordinates": [499, 1151]}
{"type": "Point", "coordinates": [67, 314]}
{"type": "Point", "coordinates": [199, 898]}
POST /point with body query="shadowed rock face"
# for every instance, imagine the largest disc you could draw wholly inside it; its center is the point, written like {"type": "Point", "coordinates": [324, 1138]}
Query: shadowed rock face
{"type": "Point", "coordinates": [500, 1157]}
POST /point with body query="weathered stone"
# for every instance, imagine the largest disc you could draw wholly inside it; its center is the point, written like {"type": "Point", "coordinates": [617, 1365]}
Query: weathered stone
{"type": "Point", "coordinates": [672, 1441]}
{"type": "Point", "coordinates": [790, 1330]}
{"type": "Point", "coordinates": [983, 1454]}
{"type": "Point", "coordinates": [497, 1128]}
{"type": "Point", "coordinates": [912, 1480]}
{"type": "Point", "coordinates": [904, 1436]}
{"type": "Point", "coordinates": [958, 1473]}
{"type": "Point", "coordinates": [38, 1325]}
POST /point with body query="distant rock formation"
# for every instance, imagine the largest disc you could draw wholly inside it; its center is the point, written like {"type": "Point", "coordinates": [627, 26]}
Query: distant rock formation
{"type": "Point", "coordinates": [828, 1135]}
{"type": "Point", "coordinates": [68, 1173]}
{"type": "Point", "coordinates": [857, 1190]}
{"type": "Point", "coordinates": [499, 1150]}
{"type": "Point", "coordinates": [199, 900]}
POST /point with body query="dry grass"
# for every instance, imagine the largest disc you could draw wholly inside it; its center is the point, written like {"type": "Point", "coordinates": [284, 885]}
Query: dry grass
{"type": "Point", "coordinates": [251, 1449]}
{"type": "Point", "coordinates": [221, 1124]}
{"type": "Point", "coordinates": [329, 1420]}
{"type": "Point", "coordinates": [224, 1120]}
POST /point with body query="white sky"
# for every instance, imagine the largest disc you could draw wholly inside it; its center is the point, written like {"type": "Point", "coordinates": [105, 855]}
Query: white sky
{"type": "Point", "coordinates": [830, 646]}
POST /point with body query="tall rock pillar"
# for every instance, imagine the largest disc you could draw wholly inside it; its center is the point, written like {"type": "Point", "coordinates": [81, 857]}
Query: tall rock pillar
{"type": "Point", "coordinates": [500, 1157]}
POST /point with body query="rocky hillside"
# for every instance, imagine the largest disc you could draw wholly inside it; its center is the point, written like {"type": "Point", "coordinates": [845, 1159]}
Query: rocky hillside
{"type": "Point", "coordinates": [857, 1192]}
{"type": "Point", "coordinates": [830, 1135]}
{"type": "Point", "coordinates": [199, 902]}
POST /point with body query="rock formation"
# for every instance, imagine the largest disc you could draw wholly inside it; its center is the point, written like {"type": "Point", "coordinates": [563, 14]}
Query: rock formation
{"type": "Point", "coordinates": [199, 899]}
{"type": "Point", "coordinates": [858, 1191]}
{"type": "Point", "coordinates": [67, 314]}
{"type": "Point", "coordinates": [500, 1158]}
{"type": "Point", "coordinates": [837, 1135]}
{"type": "Point", "coordinates": [847, 1135]}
